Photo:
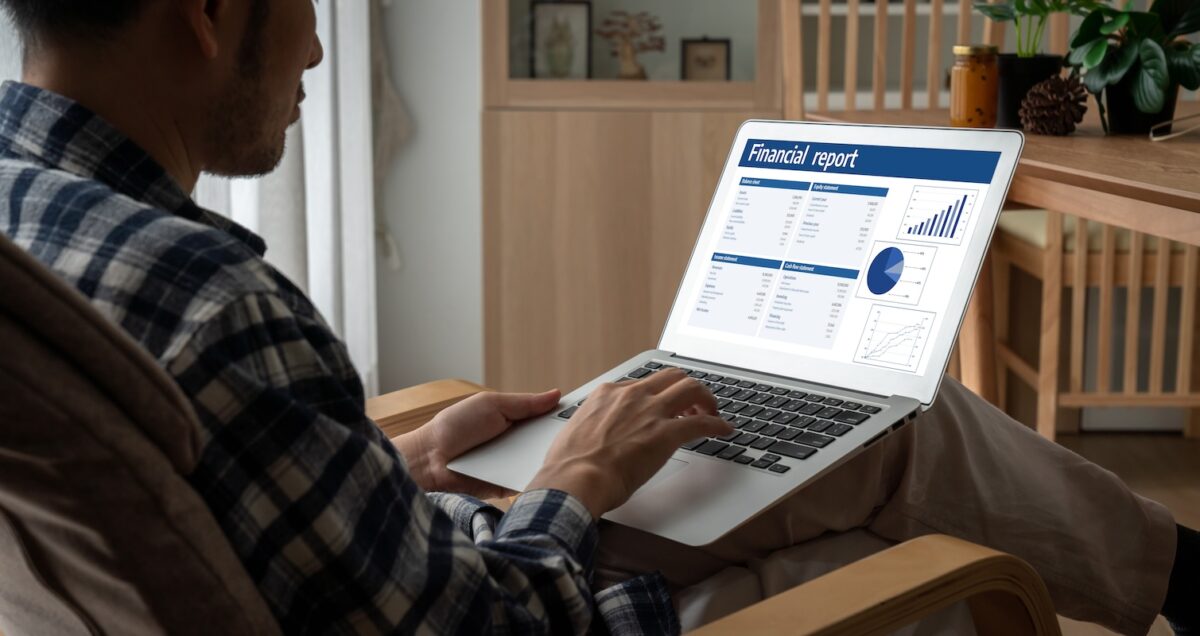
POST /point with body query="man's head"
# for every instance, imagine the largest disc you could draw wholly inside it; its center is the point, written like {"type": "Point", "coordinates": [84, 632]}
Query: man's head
{"type": "Point", "coordinates": [222, 77]}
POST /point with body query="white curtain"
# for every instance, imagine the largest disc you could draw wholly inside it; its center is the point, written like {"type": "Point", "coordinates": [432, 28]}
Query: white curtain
{"type": "Point", "coordinates": [317, 211]}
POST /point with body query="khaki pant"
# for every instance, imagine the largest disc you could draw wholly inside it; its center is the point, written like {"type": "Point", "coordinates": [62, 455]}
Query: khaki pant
{"type": "Point", "coordinates": [966, 469]}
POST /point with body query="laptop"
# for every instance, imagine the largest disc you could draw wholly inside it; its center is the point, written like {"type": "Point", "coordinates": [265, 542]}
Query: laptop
{"type": "Point", "coordinates": [819, 306]}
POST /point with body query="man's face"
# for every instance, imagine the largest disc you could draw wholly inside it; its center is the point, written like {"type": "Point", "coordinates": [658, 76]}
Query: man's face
{"type": "Point", "coordinates": [248, 122]}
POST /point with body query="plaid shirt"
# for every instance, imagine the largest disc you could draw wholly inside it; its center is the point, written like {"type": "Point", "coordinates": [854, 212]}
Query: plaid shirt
{"type": "Point", "coordinates": [315, 500]}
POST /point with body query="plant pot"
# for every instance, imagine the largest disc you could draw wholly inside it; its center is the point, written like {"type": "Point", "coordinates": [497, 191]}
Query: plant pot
{"type": "Point", "coordinates": [1017, 76]}
{"type": "Point", "coordinates": [1124, 118]}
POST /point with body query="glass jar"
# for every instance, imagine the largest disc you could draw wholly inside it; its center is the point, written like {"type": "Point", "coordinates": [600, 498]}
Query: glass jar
{"type": "Point", "coordinates": [973, 86]}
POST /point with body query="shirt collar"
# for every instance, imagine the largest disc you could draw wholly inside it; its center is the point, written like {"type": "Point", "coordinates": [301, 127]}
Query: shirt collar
{"type": "Point", "coordinates": [46, 128]}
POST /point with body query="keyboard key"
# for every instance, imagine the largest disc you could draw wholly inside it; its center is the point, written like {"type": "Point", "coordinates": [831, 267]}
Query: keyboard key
{"type": "Point", "coordinates": [853, 406]}
{"type": "Point", "coordinates": [639, 373]}
{"type": "Point", "coordinates": [762, 443]}
{"type": "Point", "coordinates": [728, 380]}
{"type": "Point", "coordinates": [742, 421]}
{"type": "Point", "coordinates": [793, 405]}
{"type": "Point", "coordinates": [763, 387]}
{"type": "Point", "coordinates": [746, 384]}
{"type": "Point", "coordinates": [849, 417]}
{"type": "Point", "coordinates": [745, 439]}
{"type": "Point", "coordinates": [777, 401]}
{"type": "Point", "coordinates": [779, 468]}
{"type": "Point", "coordinates": [685, 370]}
{"type": "Point", "coordinates": [744, 395]}
{"type": "Point", "coordinates": [784, 418]}
{"type": "Point", "coordinates": [768, 415]}
{"type": "Point", "coordinates": [653, 365]}
{"type": "Point", "coordinates": [870, 409]}
{"type": "Point", "coordinates": [804, 420]}
{"type": "Point", "coordinates": [751, 411]}
{"type": "Point", "coordinates": [761, 398]}
{"type": "Point", "coordinates": [829, 412]}
{"type": "Point", "coordinates": [762, 463]}
{"type": "Point", "coordinates": [799, 395]}
{"type": "Point", "coordinates": [755, 426]}
{"type": "Point", "coordinates": [694, 444]}
{"type": "Point", "coordinates": [771, 430]}
{"type": "Point", "coordinates": [813, 397]}
{"type": "Point", "coordinates": [789, 433]}
{"type": "Point", "coordinates": [743, 459]}
{"type": "Point", "coordinates": [779, 391]}
{"type": "Point", "coordinates": [728, 391]}
{"type": "Point", "coordinates": [838, 430]}
{"type": "Point", "coordinates": [699, 375]}
{"type": "Point", "coordinates": [812, 439]}
{"type": "Point", "coordinates": [711, 447]}
{"type": "Point", "coordinates": [566, 415]}
{"type": "Point", "coordinates": [795, 451]}
{"type": "Point", "coordinates": [712, 377]}
{"type": "Point", "coordinates": [729, 417]}
{"type": "Point", "coordinates": [734, 407]}
{"type": "Point", "coordinates": [770, 457]}
{"type": "Point", "coordinates": [724, 402]}
{"type": "Point", "coordinates": [810, 409]}
{"type": "Point", "coordinates": [834, 401]}
{"type": "Point", "coordinates": [820, 426]}
{"type": "Point", "coordinates": [730, 437]}
{"type": "Point", "coordinates": [731, 452]}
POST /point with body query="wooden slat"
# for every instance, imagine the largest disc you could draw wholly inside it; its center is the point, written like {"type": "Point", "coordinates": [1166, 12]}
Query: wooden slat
{"type": "Point", "coordinates": [993, 31]}
{"type": "Point", "coordinates": [879, 71]}
{"type": "Point", "coordinates": [1018, 366]}
{"type": "Point", "coordinates": [1108, 253]}
{"type": "Point", "coordinates": [1051, 327]}
{"type": "Point", "coordinates": [495, 53]}
{"type": "Point", "coordinates": [1079, 304]}
{"type": "Point", "coordinates": [1133, 310]}
{"type": "Point", "coordinates": [1158, 336]}
{"type": "Point", "coordinates": [964, 22]}
{"type": "Point", "coordinates": [850, 83]}
{"type": "Point", "coordinates": [1187, 321]}
{"type": "Point", "coordinates": [1060, 28]}
{"type": "Point", "coordinates": [793, 60]}
{"type": "Point", "coordinates": [1001, 273]}
{"type": "Point", "coordinates": [824, 37]}
{"type": "Point", "coordinates": [768, 49]}
{"type": "Point", "coordinates": [1075, 400]}
{"type": "Point", "coordinates": [933, 69]}
{"type": "Point", "coordinates": [908, 46]}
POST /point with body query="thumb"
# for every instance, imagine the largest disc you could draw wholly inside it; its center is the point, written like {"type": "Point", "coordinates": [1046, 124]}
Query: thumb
{"type": "Point", "coordinates": [519, 406]}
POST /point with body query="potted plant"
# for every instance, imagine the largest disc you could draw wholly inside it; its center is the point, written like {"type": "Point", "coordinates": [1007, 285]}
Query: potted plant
{"type": "Point", "coordinates": [1019, 72]}
{"type": "Point", "coordinates": [1138, 60]}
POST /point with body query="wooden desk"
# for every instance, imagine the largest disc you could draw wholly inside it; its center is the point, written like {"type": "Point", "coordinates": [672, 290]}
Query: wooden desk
{"type": "Point", "coordinates": [1127, 182]}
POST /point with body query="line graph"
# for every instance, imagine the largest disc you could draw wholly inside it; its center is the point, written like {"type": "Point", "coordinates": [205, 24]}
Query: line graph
{"type": "Point", "coordinates": [938, 215]}
{"type": "Point", "coordinates": [894, 338]}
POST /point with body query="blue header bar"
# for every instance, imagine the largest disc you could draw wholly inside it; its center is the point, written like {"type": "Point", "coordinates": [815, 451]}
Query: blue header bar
{"type": "Point", "coordinates": [821, 270]}
{"type": "Point", "coordinates": [970, 166]}
{"type": "Point", "coordinates": [775, 183]}
{"type": "Point", "coordinates": [747, 260]}
{"type": "Point", "coordinates": [847, 189]}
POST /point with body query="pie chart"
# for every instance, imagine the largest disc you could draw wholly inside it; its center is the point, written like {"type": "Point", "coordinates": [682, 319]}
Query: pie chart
{"type": "Point", "coordinates": [885, 271]}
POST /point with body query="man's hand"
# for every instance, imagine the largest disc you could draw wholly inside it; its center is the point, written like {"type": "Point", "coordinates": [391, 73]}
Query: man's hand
{"type": "Point", "coordinates": [458, 429]}
{"type": "Point", "coordinates": [623, 434]}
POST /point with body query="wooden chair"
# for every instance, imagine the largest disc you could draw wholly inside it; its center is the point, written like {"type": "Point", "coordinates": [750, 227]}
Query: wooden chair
{"type": "Point", "coordinates": [1067, 253]}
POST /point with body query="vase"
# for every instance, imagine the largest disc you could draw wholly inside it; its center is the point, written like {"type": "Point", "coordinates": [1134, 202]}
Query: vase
{"type": "Point", "coordinates": [1124, 118]}
{"type": "Point", "coordinates": [1017, 76]}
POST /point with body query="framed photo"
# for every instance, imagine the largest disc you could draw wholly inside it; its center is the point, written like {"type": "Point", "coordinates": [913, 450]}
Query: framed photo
{"type": "Point", "coordinates": [706, 60]}
{"type": "Point", "coordinates": [561, 40]}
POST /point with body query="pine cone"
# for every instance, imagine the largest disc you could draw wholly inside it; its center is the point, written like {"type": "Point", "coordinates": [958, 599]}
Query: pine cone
{"type": "Point", "coordinates": [1054, 106]}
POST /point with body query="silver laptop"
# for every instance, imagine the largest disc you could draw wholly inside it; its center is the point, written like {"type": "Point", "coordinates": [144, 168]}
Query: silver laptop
{"type": "Point", "coordinates": [820, 306]}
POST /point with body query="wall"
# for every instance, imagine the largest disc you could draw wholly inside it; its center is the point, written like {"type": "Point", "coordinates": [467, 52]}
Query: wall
{"type": "Point", "coordinates": [430, 311]}
{"type": "Point", "coordinates": [10, 53]}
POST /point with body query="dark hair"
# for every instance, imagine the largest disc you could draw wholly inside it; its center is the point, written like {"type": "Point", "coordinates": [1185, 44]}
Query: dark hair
{"type": "Point", "coordinates": [52, 18]}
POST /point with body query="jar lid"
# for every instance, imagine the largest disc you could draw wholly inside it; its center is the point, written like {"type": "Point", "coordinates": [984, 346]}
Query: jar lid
{"type": "Point", "coordinates": [975, 49]}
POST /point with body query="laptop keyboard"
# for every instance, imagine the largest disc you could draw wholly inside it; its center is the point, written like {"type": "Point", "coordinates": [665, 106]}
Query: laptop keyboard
{"type": "Point", "coordinates": [773, 425]}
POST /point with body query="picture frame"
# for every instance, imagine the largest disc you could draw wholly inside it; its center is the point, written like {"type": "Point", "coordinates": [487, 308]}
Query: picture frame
{"type": "Point", "coordinates": [706, 59]}
{"type": "Point", "coordinates": [560, 39]}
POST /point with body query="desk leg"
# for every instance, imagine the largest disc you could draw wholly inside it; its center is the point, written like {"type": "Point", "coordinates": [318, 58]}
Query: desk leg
{"type": "Point", "coordinates": [977, 341]}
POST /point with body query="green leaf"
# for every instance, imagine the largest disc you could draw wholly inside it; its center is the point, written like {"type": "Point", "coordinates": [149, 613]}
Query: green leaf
{"type": "Point", "coordinates": [1189, 23]}
{"type": "Point", "coordinates": [1150, 85]}
{"type": "Point", "coordinates": [1020, 8]}
{"type": "Point", "coordinates": [1089, 30]}
{"type": "Point", "coordinates": [1111, 69]}
{"type": "Point", "coordinates": [1178, 17]}
{"type": "Point", "coordinates": [1038, 7]}
{"type": "Point", "coordinates": [1147, 25]}
{"type": "Point", "coordinates": [1077, 54]}
{"type": "Point", "coordinates": [1095, 53]}
{"type": "Point", "coordinates": [1115, 25]}
{"type": "Point", "coordinates": [1002, 12]}
{"type": "Point", "coordinates": [1183, 61]}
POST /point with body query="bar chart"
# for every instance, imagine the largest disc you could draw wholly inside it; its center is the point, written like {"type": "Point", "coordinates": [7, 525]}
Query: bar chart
{"type": "Point", "coordinates": [938, 215]}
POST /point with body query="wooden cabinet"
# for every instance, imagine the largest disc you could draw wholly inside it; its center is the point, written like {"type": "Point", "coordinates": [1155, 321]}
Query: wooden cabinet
{"type": "Point", "coordinates": [594, 193]}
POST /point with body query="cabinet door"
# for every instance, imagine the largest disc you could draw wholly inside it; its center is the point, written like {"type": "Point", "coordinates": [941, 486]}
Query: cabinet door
{"type": "Point", "coordinates": [589, 219]}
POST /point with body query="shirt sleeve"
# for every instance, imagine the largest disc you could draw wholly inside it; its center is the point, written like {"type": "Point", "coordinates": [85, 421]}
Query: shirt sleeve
{"type": "Point", "coordinates": [324, 515]}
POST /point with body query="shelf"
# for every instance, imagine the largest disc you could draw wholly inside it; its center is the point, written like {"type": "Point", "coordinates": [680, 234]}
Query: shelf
{"type": "Point", "coordinates": [633, 94]}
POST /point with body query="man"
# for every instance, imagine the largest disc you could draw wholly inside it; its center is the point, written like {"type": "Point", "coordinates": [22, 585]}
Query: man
{"type": "Point", "coordinates": [124, 103]}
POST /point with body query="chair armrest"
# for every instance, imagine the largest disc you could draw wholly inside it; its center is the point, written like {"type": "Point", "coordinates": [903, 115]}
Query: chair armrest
{"type": "Point", "coordinates": [407, 409]}
{"type": "Point", "coordinates": [900, 585]}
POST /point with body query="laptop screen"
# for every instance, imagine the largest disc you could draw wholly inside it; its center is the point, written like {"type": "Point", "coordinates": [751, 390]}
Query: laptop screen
{"type": "Point", "coordinates": [845, 247]}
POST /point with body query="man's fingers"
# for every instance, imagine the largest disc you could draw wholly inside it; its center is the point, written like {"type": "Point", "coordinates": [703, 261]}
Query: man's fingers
{"type": "Point", "coordinates": [660, 380]}
{"type": "Point", "coordinates": [681, 396]}
{"type": "Point", "coordinates": [519, 406]}
{"type": "Point", "coordinates": [681, 429]}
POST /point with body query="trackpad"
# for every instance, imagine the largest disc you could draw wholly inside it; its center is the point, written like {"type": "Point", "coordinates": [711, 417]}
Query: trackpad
{"type": "Point", "coordinates": [670, 468]}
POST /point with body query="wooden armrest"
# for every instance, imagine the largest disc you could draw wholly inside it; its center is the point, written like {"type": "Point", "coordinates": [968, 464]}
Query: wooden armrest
{"type": "Point", "coordinates": [900, 585]}
{"type": "Point", "coordinates": [407, 409]}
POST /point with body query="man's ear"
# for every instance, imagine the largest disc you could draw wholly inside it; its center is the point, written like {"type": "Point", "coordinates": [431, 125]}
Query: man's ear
{"type": "Point", "coordinates": [204, 18]}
